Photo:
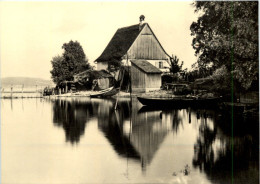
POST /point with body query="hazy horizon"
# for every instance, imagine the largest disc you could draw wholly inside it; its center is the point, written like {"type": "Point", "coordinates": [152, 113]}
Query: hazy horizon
{"type": "Point", "coordinates": [35, 31]}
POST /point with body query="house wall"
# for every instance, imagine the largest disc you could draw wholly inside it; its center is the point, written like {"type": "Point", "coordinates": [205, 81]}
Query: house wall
{"type": "Point", "coordinates": [137, 80]}
{"type": "Point", "coordinates": [102, 65]}
{"type": "Point", "coordinates": [165, 64]}
{"type": "Point", "coordinates": [152, 82]}
{"type": "Point", "coordinates": [153, 62]}
{"type": "Point", "coordinates": [142, 82]}
{"type": "Point", "coordinates": [146, 47]}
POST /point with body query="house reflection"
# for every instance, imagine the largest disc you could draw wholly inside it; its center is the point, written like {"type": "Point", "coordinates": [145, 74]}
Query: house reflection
{"type": "Point", "coordinates": [147, 133]}
{"type": "Point", "coordinates": [110, 122]}
{"type": "Point", "coordinates": [133, 134]}
{"type": "Point", "coordinates": [72, 116]}
{"type": "Point", "coordinates": [215, 149]}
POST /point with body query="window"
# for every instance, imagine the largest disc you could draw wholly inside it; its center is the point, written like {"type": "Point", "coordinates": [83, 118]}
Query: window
{"type": "Point", "coordinates": [160, 64]}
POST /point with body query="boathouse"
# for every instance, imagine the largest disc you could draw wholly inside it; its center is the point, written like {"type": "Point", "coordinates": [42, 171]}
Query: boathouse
{"type": "Point", "coordinates": [93, 79]}
{"type": "Point", "coordinates": [136, 42]}
{"type": "Point", "coordinates": [145, 77]}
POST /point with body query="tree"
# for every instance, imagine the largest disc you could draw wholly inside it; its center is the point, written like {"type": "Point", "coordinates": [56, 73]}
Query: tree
{"type": "Point", "coordinates": [70, 63]}
{"type": "Point", "coordinates": [175, 67]}
{"type": "Point", "coordinates": [58, 71]}
{"type": "Point", "coordinates": [220, 79]}
{"type": "Point", "coordinates": [226, 34]}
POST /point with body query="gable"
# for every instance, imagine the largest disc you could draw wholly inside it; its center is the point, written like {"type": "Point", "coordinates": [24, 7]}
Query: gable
{"type": "Point", "coordinates": [146, 46]}
{"type": "Point", "coordinates": [146, 30]}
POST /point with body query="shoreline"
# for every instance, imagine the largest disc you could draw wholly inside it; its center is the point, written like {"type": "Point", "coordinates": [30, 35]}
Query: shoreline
{"type": "Point", "coordinates": [121, 94]}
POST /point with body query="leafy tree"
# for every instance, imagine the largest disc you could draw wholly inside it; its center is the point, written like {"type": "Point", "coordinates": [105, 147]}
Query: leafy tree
{"type": "Point", "coordinates": [71, 62]}
{"type": "Point", "coordinates": [220, 79]}
{"type": "Point", "coordinates": [175, 66]}
{"type": "Point", "coordinates": [226, 33]}
{"type": "Point", "coordinates": [58, 71]}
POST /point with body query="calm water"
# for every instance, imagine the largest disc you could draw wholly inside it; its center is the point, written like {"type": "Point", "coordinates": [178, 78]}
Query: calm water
{"type": "Point", "coordinates": [69, 141]}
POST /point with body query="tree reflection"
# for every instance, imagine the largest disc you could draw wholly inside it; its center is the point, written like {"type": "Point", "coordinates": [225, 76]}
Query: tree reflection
{"type": "Point", "coordinates": [176, 119]}
{"type": "Point", "coordinates": [72, 116]}
{"type": "Point", "coordinates": [213, 152]}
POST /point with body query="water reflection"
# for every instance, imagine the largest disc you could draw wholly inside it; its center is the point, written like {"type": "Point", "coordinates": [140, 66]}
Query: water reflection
{"type": "Point", "coordinates": [131, 133]}
{"type": "Point", "coordinates": [111, 123]}
{"type": "Point", "coordinates": [215, 150]}
{"type": "Point", "coordinates": [137, 133]}
{"type": "Point", "coordinates": [72, 116]}
{"type": "Point", "coordinates": [148, 131]}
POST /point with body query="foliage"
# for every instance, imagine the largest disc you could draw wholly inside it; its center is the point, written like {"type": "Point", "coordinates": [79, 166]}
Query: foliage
{"type": "Point", "coordinates": [175, 67]}
{"type": "Point", "coordinates": [226, 33]}
{"type": "Point", "coordinates": [114, 65]}
{"type": "Point", "coordinates": [199, 72]}
{"type": "Point", "coordinates": [71, 62]}
{"type": "Point", "coordinates": [57, 72]}
{"type": "Point", "coordinates": [75, 57]}
{"type": "Point", "coordinates": [221, 80]}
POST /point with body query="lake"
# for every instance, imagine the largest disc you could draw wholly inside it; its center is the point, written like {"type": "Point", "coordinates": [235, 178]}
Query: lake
{"type": "Point", "coordinates": [83, 140]}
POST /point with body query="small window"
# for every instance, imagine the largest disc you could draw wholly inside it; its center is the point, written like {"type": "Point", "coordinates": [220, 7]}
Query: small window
{"type": "Point", "coordinates": [160, 64]}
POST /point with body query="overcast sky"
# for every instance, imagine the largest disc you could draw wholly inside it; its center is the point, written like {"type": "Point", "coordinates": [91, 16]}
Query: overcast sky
{"type": "Point", "coordinates": [33, 32]}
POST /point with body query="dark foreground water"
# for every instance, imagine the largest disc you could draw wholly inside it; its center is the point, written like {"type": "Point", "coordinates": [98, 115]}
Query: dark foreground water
{"type": "Point", "coordinates": [84, 140]}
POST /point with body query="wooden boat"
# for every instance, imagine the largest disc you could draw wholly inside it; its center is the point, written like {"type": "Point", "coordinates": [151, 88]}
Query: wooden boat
{"type": "Point", "coordinates": [105, 93]}
{"type": "Point", "coordinates": [178, 101]}
{"type": "Point", "coordinates": [163, 102]}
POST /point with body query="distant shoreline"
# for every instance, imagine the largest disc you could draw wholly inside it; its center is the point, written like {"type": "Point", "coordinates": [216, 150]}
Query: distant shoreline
{"type": "Point", "coordinates": [21, 92]}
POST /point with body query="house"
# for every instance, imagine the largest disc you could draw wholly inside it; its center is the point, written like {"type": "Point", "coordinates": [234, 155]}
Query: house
{"type": "Point", "coordinates": [136, 42]}
{"type": "Point", "coordinates": [145, 77]}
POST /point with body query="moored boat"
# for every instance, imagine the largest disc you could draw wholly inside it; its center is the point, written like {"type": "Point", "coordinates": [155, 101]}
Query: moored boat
{"type": "Point", "coordinates": [178, 101]}
{"type": "Point", "coordinates": [105, 93]}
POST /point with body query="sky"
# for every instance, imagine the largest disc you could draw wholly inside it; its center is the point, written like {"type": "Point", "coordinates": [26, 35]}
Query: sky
{"type": "Point", "coordinates": [32, 33]}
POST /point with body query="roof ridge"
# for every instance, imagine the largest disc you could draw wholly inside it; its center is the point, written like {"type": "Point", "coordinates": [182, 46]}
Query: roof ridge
{"type": "Point", "coordinates": [132, 26]}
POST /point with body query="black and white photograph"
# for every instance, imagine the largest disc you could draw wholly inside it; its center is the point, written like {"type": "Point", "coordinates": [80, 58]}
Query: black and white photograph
{"type": "Point", "coordinates": [129, 92]}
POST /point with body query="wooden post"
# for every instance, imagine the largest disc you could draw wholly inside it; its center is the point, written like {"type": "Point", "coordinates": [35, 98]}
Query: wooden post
{"type": "Point", "coordinates": [189, 114]}
{"type": "Point", "coordinates": [36, 88]}
{"type": "Point", "coordinates": [42, 91]}
{"type": "Point", "coordinates": [12, 104]}
{"type": "Point", "coordinates": [22, 89]}
{"type": "Point", "coordinates": [121, 82]}
{"type": "Point", "coordinates": [66, 87]}
{"type": "Point", "coordinates": [11, 91]}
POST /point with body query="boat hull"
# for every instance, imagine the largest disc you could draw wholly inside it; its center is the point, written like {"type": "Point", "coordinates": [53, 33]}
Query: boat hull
{"type": "Point", "coordinates": [106, 93]}
{"type": "Point", "coordinates": [178, 102]}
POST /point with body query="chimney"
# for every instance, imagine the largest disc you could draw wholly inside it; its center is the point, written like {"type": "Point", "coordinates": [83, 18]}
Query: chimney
{"type": "Point", "coordinates": [141, 21]}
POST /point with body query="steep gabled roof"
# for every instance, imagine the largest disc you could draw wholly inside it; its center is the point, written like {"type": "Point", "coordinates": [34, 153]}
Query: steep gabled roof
{"type": "Point", "coordinates": [120, 43]}
{"type": "Point", "coordinates": [146, 67]}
